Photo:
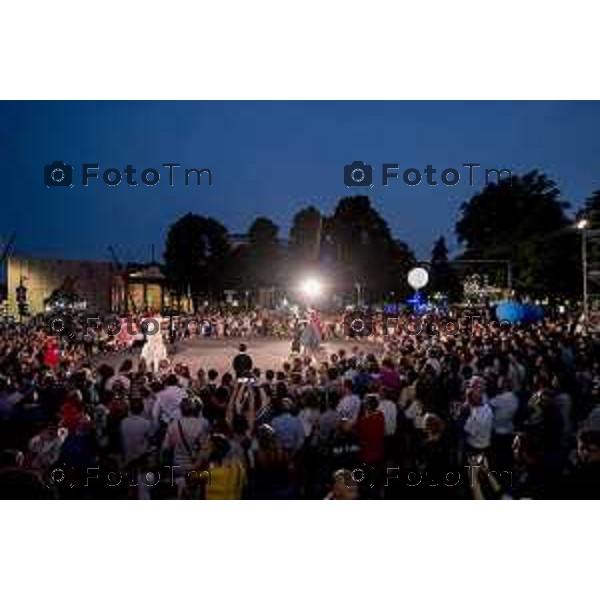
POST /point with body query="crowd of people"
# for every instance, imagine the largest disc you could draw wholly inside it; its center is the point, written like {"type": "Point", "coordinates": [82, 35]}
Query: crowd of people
{"type": "Point", "coordinates": [488, 412]}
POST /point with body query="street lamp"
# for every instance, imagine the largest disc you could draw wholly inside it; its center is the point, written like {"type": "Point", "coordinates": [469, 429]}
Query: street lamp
{"type": "Point", "coordinates": [582, 225]}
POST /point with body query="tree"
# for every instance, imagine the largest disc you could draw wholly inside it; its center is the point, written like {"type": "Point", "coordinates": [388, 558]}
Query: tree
{"type": "Point", "coordinates": [522, 221]}
{"type": "Point", "coordinates": [442, 277]}
{"type": "Point", "coordinates": [591, 210]}
{"type": "Point", "coordinates": [196, 254]}
{"type": "Point", "coordinates": [305, 236]}
{"type": "Point", "coordinates": [262, 234]}
{"type": "Point", "coordinates": [263, 254]}
{"type": "Point", "coordinates": [361, 247]}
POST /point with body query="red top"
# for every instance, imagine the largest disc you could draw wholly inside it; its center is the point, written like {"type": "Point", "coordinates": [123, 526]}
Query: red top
{"type": "Point", "coordinates": [371, 434]}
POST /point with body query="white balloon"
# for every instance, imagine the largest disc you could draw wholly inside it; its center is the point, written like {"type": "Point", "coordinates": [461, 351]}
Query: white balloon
{"type": "Point", "coordinates": [418, 278]}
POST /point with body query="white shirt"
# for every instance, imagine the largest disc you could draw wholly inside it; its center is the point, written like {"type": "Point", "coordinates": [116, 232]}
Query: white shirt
{"type": "Point", "coordinates": [390, 415]}
{"type": "Point", "coordinates": [167, 403]}
{"type": "Point", "coordinates": [309, 417]}
{"type": "Point", "coordinates": [505, 406]}
{"type": "Point", "coordinates": [349, 407]}
{"type": "Point", "coordinates": [478, 427]}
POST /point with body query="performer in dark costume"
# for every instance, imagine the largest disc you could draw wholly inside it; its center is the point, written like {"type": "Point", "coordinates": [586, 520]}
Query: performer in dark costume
{"type": "Point", "coordinates": [311, 337]}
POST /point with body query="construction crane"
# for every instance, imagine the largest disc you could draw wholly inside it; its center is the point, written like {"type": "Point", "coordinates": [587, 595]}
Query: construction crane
{"type": "Point", "coordinates": [7, 247]}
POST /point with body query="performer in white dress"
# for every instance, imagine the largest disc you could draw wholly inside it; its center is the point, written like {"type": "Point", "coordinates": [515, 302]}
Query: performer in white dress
{"type": "Point", "coordinates": [154, 351]}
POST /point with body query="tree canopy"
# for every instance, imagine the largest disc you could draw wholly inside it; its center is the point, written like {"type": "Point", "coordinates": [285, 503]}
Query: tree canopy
{"type": "Point", "coordinates": [196, 254]}
{"type": "Point", "coordinates": [524, 222]}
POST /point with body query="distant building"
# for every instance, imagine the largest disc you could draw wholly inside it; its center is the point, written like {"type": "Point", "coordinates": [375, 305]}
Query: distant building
{"type": "Point", "coordinates": [99, 285]}
{"type": "Point", "coordinates": [138, 289]}
{"type": "Point", "coordinates": [92, 281]}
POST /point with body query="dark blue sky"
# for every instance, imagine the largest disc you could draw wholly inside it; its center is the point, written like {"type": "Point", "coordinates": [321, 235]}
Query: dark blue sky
{"type": "Point", "coordinates": [269, 158]}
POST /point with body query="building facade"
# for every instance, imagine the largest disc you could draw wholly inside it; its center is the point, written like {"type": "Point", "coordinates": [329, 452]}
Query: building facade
{"type": "Point", "coordinates": [91, 280]}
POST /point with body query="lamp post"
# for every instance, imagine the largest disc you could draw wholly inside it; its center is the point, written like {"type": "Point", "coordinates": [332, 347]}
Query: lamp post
{"type": "Point", "coordinates": [582, 225]}
{"type": "Point", "coordinates": [358, 287]}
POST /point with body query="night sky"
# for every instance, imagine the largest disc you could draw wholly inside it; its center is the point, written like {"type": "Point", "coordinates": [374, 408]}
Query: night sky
{"type": "Point", "coordinates": [269, 158]}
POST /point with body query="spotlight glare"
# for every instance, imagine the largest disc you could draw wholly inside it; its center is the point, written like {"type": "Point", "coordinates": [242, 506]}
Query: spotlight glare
{"type": "Point", "coordinates": [311, 287]}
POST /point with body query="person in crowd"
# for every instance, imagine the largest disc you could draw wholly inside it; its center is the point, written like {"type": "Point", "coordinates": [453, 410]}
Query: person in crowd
{"type": "Point", "coordinates": [584, 480]}
{"type": "Point", "coordinates": [289, 428]}
{"type": "Point", "coordinates": [168, 401]}
{"type": "Point", "coordinates": [344, 486]}
{"type": "Point", "coordinates": [504, 406]}
{"type": "Point", "coordinates": [242, 362]}
{"type": "Point", "coordinates": [356, 410]}
{"type": "Point", "coordinates": [350, 404]}
{"type": "Point", "coordinates": [183, 439]}
{"type": "Point", "coordinates": [479, 421]}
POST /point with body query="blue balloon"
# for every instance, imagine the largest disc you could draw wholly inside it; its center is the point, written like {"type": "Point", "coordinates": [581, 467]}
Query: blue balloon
{"type": "Point", "coordinates": [515, 312]}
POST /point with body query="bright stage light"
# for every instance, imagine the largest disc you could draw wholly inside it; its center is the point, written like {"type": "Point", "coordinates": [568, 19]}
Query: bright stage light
{"type": "Point", "coordinates": [311, 287]}
{"type": "Point", "coordinates": [582, 224]}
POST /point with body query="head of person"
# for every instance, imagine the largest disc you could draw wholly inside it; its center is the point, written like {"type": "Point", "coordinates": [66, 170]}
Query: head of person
{"type": "Point", "coordinates": [332, 373]}
{"type": "Point", "coordinates": [504, 384]}
{"type": "Point", "coordinates": [387, 363]}
{"type": "Point", "coordinates": [218, 448]}
{"type": "Point", "coordinates": [526, 449]}
{"type": "Point", "coordinates": [242, 348]}
{"type": "Point", "coordinates": [433, 426]}
{"type": "Point", "coordinates": [371, 403]}
{"type": "Point", "coordinates": [475, 390]}
{"type": "Point", "coordinates": [171, 380]}
{"type": "Point", "coordinates": [136, 406]}
{"type": "Point", "coordinates": [588, 446]}
{"type": "Point", "coordinates": [266, 437]}
{"type": "Point", "coordinates": [286, 405]}
{"type": "Point", "coordinates": [344, 486]}
{"type": "Point", "coordinates": [187, 408]}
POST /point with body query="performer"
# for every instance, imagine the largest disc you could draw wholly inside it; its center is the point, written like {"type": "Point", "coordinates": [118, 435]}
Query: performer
{"type": "Point", "coordinates": [311, 336]}
{"type": "Point", "coordinates": [154, 351]}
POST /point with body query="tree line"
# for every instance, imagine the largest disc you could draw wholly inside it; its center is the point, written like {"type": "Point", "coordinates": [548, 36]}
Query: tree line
{"type": "Point", "coordinates": [522, 222]}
